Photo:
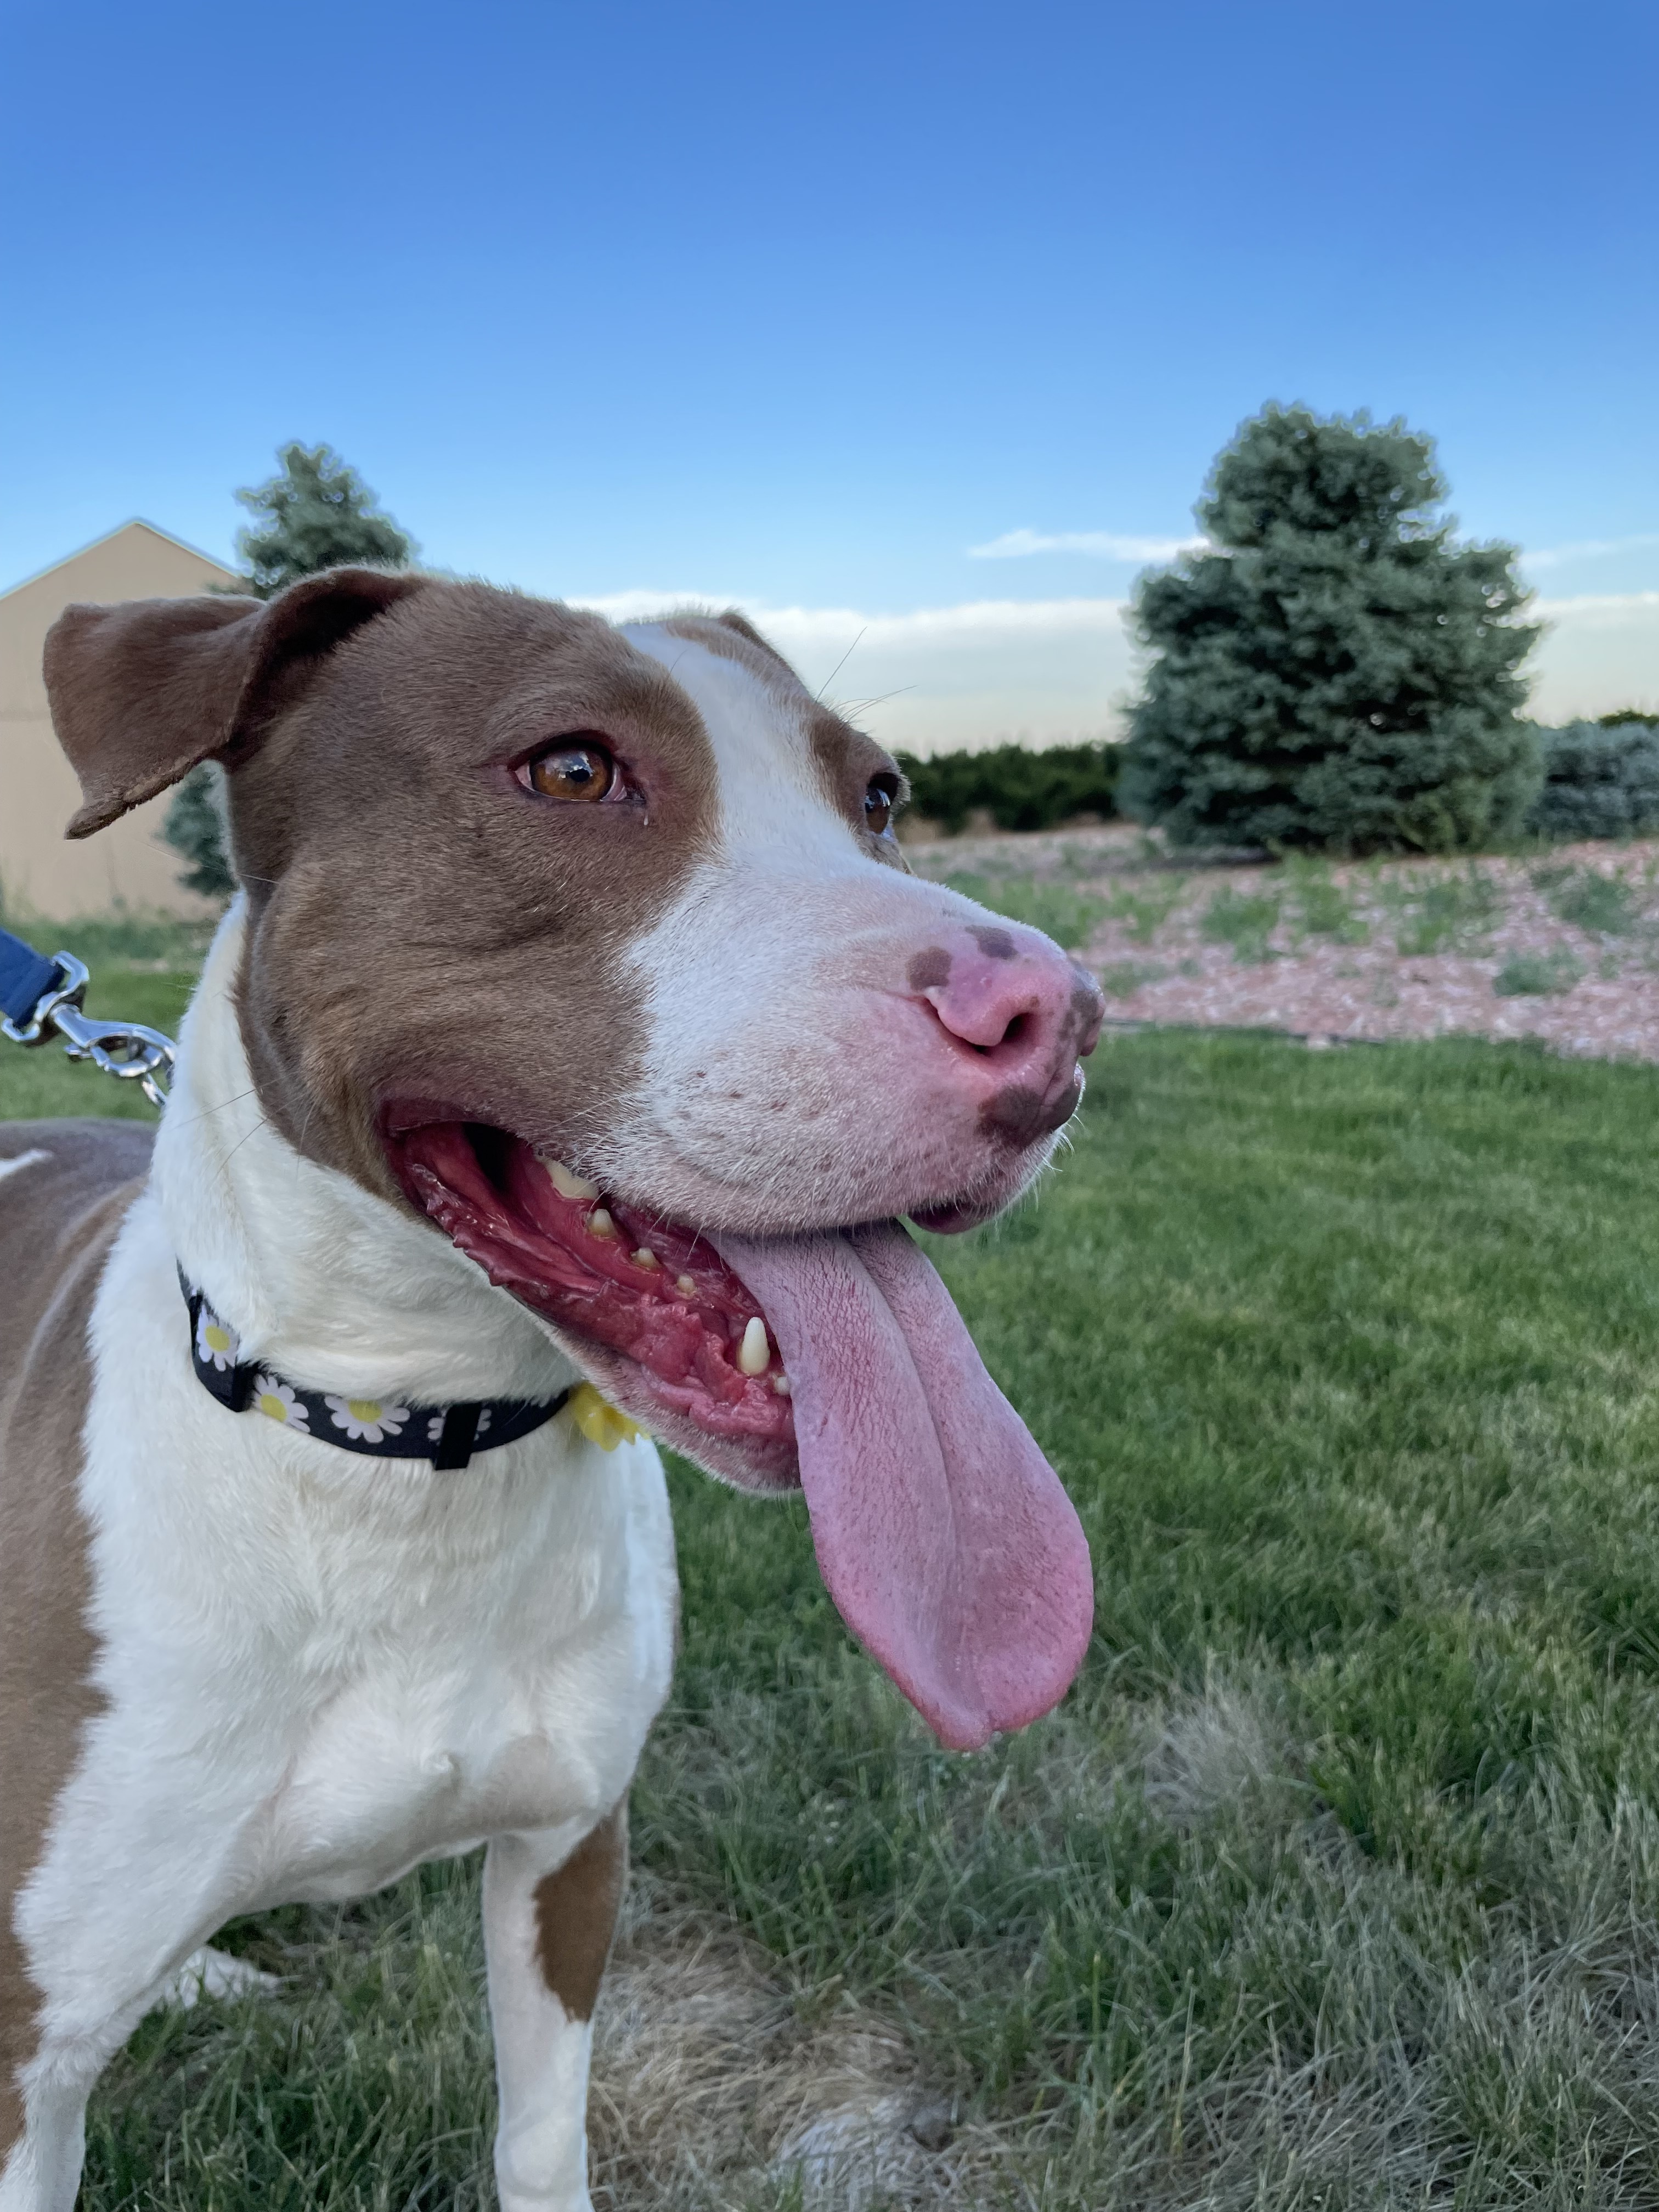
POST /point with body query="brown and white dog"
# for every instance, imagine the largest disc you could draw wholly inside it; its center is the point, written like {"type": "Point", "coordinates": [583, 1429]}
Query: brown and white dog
{"type": "Point", "coordinates": [579, 1019]}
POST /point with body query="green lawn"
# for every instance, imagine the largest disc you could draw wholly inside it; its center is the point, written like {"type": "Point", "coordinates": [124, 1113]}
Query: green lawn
{"type": "Point", "coordinates": [1336, 1882]}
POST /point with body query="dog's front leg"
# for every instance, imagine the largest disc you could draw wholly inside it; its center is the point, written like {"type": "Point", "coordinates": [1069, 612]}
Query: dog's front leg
{"type": "Point", "coordinates": [550, 1911]}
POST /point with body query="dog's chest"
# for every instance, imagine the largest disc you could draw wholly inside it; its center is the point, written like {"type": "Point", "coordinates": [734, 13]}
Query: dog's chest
{"type": "Point", "coordinates": [496, 1671]}
{"type": "Point", "coordinates": [321, 1669]}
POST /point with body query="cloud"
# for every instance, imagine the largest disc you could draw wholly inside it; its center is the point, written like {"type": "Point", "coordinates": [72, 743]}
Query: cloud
{"type": "Point", "coordinates": [1587, 548]}
{"type": "Point", "coordinates": [1100, 544]}
{"type": "Point", "coordinates": [968, 674]}
{"type": "Point", "coordinates": [941, 676]}
{"type": "Point", "coordinates": [1601, 653]}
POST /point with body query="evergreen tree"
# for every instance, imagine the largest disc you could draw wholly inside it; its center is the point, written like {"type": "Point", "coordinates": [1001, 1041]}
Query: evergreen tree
{"type": "Point", "coordinates": [1337, 672]}
{"type": "Point", "coordinates": [318, 514]}
{"type": "Point", "coordinates": [195, 826]}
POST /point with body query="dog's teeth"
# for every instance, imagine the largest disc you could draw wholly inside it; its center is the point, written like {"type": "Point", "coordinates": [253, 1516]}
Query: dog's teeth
{"type": "Point", "coordinates": [600, 1222]}
{"type": "Point", "coordinates": [568, 1185]}
{"type": "Point", "coordinates": [645, 1257]}
{"type": "Point", "coordinates": [686, 1286]}
{"type": "Point", "coordinates": [780, 1384]}
{"type": "Point", "coordinates": [754, 1353]}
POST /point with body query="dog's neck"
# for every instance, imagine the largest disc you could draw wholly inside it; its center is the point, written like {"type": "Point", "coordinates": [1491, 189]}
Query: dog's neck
{"type": "Point", "coordinates": [325, 1282]}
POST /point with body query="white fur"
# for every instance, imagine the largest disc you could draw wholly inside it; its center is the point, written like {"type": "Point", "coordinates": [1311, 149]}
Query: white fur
{"type": "Point", "coordinates": [318, 1669]}
{"type": "Point", "coordinates": [779, 1004]}
{"type": "Point", "coordinates": [28, 1159]}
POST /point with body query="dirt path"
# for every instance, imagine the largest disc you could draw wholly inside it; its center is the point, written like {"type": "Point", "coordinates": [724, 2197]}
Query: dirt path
{"type": "Point", "coordinates": [1563, 946]}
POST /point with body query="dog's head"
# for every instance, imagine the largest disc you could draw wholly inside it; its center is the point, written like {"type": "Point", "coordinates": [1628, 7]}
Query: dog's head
{"type": "Point", "coordinates": [595, 947]}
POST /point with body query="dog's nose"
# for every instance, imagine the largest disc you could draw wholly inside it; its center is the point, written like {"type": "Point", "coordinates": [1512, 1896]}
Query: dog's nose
{"type": "Point", "coordinates": [1024, 1011]}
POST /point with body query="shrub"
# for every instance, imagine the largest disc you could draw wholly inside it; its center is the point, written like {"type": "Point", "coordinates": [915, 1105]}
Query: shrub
{"type": "Point", "coordinates": [1022, 788]}
{"type": "Point", "coordinates": [1600, 780]}
{"type": "Point", "coordinates": [1602, 905]}
{"type": "Point", "coordinates": [1538, 975]}
{"type": "Point", "coordinates": [1336, 673]}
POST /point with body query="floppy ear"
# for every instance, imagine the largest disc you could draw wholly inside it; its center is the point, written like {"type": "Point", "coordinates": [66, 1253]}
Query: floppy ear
{"type": "Point", "coordinates": [141, 692]}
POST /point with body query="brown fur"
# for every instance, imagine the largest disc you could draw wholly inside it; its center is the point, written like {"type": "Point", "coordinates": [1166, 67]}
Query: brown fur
{"type": "Point", "coordinates": [141, 692]}
{"type": "Point", "coordinates": [576, 1910]}
{"type": "Point", "coordinates": [377, 823]}
{"type": "Point", "coordinates": [58, 1220]}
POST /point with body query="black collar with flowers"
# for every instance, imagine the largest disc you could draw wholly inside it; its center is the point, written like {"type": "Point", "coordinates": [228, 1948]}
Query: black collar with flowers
{"type": "Point", "coordinates": [448, 1436]}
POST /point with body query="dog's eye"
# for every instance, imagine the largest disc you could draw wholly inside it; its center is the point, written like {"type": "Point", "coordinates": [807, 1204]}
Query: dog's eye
{"type": "Point", "coordinates": [879, 801]}
{"type": "Point", "coordinates": [571, 769]}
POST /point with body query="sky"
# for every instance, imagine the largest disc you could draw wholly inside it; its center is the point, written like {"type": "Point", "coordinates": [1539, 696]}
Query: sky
{"type": "Point", "coordinates": [913, 329]}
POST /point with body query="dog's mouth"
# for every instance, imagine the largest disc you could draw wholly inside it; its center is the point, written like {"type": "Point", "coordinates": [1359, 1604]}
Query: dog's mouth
{"type": "Point", "coordinates": [835, 1361]}
{"type": "Point", "coordinates": [646, 1305]}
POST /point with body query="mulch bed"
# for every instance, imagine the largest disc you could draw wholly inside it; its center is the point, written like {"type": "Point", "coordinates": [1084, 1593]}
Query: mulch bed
{"type": "Point", "coordinates": [1495, 947]}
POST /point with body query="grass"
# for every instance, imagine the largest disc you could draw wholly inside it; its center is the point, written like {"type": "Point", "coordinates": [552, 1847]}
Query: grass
{"type": "Point", "coordinates": [1452, 913]}
{"type": "Point", "coordinates": [1335, 1883]}
{"type": "Point", "coordinates": [1585, 898]}
{"type": "Point", "coordinates": [1245, 922]}
{"type": "Point", "coordinates": [143, 969]}
{"type": "Point", "coordinates": [1145, 912]}
{"type": "Point", "coordinates": [1538, 975]}
{"type": "Point", "coordinates": [1319, 906]}
{"type": "Point", "coordinates": [1121, 978]}
{"type": "Point", "coordinates": [1059, 909]}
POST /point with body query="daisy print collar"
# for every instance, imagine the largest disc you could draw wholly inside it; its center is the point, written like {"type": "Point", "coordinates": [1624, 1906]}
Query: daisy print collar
{"type": "Point", "coordinates": [447, 1436]}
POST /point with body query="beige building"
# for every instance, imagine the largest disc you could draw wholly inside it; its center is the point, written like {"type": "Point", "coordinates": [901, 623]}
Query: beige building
{"type": "Point", "coordinates": [41, 873]}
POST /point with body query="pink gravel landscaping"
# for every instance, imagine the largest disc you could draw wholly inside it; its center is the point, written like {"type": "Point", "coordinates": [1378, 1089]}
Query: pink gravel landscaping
{"type": "Point", "coordinates": [1366, 950]}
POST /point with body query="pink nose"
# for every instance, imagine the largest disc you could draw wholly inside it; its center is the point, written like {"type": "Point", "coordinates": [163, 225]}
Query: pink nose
{"type": "Point", "coordinates": [1022, 1013]}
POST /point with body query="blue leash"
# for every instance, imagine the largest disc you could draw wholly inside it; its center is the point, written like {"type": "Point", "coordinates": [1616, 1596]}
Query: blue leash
{"type": "Point", "coordinates": [41, 999]}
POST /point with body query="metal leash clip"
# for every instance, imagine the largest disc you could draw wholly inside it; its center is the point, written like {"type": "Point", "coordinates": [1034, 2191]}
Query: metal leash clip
{"type": "Point", "coordinates": [127, 1050]}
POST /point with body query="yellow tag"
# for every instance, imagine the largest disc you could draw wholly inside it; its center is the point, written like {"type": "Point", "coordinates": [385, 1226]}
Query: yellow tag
{"type": "Point", "coordinates": [598, 1419]}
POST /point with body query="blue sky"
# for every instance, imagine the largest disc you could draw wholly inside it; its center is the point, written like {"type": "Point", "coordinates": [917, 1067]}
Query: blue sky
{"type": "Point", "coordinates": [800, 305]}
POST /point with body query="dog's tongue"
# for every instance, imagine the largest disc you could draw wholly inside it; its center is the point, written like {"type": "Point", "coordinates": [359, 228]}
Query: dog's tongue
{"type": "Point", "coordinates": [943, 1533]}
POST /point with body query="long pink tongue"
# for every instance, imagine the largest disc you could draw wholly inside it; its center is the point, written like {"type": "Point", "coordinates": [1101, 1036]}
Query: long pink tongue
{"type": "Point", "coordinates": [943, 1533]}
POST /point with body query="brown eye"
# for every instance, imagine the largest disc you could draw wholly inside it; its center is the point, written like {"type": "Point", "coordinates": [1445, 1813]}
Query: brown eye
{"type": "Point", "coordinates": [572, 771]}
{"type": "Point", "coordinates": [879, 802]}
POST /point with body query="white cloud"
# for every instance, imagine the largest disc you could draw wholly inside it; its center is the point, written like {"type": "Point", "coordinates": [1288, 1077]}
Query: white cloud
{"type": "Point", "coordinates": [968, 674]}
{"type": "Point", "coordinates": [1101, 544]}
{"type": "Point", "coordinates": [942, 677]}
{"type": "Point", "coordinates": [1600, 651]}
{"type": "Point", "coordinates": [1587, 548]}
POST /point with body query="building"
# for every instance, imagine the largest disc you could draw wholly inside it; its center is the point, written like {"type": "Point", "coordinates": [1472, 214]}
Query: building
{"type": "Point", "coordinates": [41, 873]}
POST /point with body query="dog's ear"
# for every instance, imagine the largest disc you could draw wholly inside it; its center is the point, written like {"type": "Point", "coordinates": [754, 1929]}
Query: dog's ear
{"type": "Point", "coordinates": [141, 692]}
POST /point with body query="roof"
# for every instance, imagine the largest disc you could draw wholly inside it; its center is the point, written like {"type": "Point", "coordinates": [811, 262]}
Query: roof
{"type": "Point", "coordinates": [133, 522]}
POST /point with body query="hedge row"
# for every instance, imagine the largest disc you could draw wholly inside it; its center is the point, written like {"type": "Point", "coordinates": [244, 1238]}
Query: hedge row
{"type": "Point", "coordinates": [1020, 788]}
{"type": "Point", "coordinates": [1601, 779]}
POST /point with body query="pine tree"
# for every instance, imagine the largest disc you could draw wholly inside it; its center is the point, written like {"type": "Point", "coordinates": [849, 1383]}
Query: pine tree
{"type": "Point", "coordinates": [319, 514]}
{"type": "Point", "coordinates": [1338, 672]}
{"type": "Point", "coordinates": [195, 826]}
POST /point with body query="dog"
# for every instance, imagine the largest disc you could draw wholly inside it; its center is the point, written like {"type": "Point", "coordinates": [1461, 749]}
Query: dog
{"type": "Point", "coordinates": [561, 1073]}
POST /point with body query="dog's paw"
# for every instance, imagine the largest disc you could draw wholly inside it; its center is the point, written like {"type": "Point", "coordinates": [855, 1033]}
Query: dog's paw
{"type": "Point", "coordinates": [211, 1973]}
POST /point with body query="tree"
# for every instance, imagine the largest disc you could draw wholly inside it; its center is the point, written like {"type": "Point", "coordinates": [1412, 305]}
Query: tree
{"type": "Point", "coordinates": [1336, 672]}
{"type": "Point", "coordinates": [319, 514]}
{"type": "Point", "coordinates": [195, 826]}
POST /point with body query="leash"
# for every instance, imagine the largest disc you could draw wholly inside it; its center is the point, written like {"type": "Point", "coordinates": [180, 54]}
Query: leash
{"type": "Point", "coordinates": [40, 999]}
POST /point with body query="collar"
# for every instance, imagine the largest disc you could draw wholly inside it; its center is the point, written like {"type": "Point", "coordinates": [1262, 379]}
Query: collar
{"type": "Point", "coordinates": [448, 1436]}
